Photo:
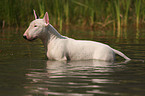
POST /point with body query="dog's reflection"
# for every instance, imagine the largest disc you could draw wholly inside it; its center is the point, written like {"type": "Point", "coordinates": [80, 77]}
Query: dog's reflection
{"type": "Point", "coordinates": [61, 76]}
{"type": "Point", "coordinates": [63, 66]}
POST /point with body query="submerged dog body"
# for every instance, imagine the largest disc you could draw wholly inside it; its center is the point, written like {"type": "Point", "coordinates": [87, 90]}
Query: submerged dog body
{"type": "Point", "coordinates": [59, 47]}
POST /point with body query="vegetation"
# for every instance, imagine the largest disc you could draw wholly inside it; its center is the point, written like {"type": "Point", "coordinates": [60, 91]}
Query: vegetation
{"type": "Point", "coordinates": [89, 13]}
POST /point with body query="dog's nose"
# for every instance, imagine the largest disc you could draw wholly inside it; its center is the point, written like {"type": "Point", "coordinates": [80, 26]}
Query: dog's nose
{"type": "Point", "coordinates": [24, 36]}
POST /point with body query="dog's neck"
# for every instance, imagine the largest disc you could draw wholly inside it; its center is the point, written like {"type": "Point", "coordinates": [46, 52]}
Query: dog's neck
{"type": "Point", "coordinates": [54, 33]}
{"type": "Point", "coordinates": [50, 34]}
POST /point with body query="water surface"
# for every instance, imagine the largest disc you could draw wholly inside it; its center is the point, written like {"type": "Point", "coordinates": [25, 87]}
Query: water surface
{"type": "Point", "coordinates": [25, 71]}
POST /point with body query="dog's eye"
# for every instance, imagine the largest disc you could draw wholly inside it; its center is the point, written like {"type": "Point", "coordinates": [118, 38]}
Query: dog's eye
{"type": "Point", "coordinates": [35, 25]}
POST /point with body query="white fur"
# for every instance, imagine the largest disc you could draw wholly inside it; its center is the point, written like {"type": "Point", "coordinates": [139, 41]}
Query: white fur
{"type": "Point", "coordinates": [59, 47]}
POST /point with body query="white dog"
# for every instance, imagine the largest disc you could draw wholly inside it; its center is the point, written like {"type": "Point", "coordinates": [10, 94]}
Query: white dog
{"type": "Point", "coordinates": [59, 47]}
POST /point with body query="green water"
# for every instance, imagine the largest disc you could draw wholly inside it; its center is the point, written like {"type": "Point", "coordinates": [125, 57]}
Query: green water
{"type": "Point", "coordinates": [25, 71]}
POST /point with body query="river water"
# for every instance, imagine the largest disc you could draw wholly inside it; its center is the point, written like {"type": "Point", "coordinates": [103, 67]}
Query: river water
{"type": "Point", "coordinates": [25, 70]}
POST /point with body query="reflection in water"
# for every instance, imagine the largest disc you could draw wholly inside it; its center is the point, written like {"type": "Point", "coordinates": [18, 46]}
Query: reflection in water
{"type": "Point", "coordinates": [71, 78]}
{"type": "Point", "coordinates": [23, 66]}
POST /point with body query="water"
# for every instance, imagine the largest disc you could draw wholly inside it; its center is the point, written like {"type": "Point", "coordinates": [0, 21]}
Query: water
{"type": "Point", "coordinates": [25, 71]}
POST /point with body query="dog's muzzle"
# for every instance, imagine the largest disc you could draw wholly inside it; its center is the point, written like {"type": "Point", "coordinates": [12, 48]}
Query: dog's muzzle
{"type": "Point", "coordinates": [25, 37]}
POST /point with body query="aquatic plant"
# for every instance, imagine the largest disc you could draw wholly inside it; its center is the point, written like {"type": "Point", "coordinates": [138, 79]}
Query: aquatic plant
{"type": "Point", "coordinates": [91, 13]}
{"type": "Point", "coordinates": [137, 10]}
{"type": "Point", "coordinates": [41, 8]}
{"type": "Point", "coordinates": [126, 6]}
{"type": "Point", "coordinates": [117, 7]}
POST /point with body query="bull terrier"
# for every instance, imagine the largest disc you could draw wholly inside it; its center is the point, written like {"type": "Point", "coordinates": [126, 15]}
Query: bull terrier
{"type": "Point", "coordinates": [60, 48]}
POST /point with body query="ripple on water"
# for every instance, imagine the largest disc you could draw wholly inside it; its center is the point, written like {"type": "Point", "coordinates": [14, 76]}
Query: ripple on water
{"type": "Point", "coordinates": [73, 78]}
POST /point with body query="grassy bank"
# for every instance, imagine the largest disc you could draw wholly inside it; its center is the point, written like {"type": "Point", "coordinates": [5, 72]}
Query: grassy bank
{"type": "Point", "coordinates": [113, 14]}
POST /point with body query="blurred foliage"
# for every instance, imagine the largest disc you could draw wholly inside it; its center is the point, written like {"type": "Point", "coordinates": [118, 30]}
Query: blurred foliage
{"type": "Point", "coordinates": [92, 13]}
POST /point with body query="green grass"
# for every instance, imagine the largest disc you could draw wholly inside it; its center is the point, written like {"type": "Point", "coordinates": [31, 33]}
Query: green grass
{"type": "Point", "coordinates": [126, 6]}
{"type": "Point", "coordinates": [117, 7]}
{"type": "Point", "coordinates": [137, 10]}
{"type": "Point", "coordinates": [82, 13]}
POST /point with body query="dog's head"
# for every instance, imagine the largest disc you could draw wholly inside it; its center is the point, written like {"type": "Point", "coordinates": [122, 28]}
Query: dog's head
{"type": "Point", "coordinates": [36, 27]}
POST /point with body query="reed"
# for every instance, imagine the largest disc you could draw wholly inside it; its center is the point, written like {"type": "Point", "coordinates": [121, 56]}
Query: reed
{"type": "Point", "coordinates": [66, 11]}
{"type": "Point", "coordinates": [41, 8]}
{"type": "Point", "coordinates": [7, 10]}
{"type": "Point", "coordinates": [137, 10]}
{"type": "Point", "coordinates": [15, 13]}
{"type": "Point", "coordinates": [60, 12]}
{"type": "Point", "coordinates": [92, 12]}
{"type": "Point", "coordinates": [83, 10]}
{"type": "Point", "coordinates": [126, 6]}
{"type": "Point", "coordinates": [117, 8]}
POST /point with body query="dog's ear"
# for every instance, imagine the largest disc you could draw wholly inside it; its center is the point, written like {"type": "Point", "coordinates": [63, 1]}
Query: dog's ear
{"type": "Point", "coordinates": [36, 17]}
{"type": "Point", "coordinates": [46, 19]}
